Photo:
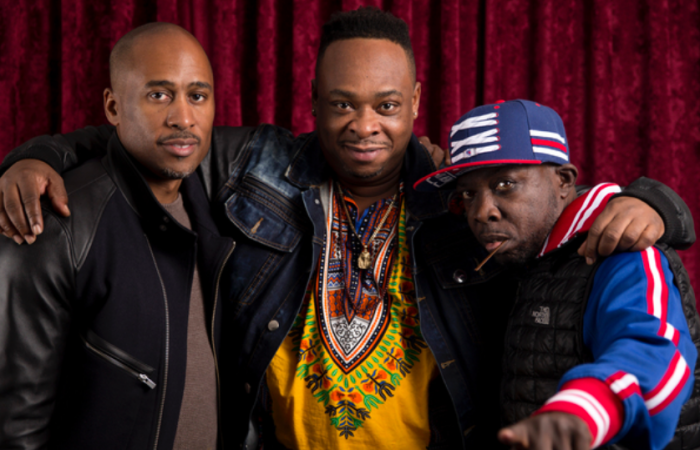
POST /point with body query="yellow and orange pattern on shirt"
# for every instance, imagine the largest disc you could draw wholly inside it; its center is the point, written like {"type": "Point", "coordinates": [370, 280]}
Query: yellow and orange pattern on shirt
{"type": "Point", "coordinates": [382, 401]}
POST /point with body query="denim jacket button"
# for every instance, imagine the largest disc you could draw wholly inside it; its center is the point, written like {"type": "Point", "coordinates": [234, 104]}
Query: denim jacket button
{"type": "Point", "coordinates": [459, 276]}
{"type": "Point", "coordinates": [273, 325]}
{"type": "Point", "coordinates": [317, 201]}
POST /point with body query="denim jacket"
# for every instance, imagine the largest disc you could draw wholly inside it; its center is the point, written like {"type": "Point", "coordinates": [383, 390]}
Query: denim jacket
{"type": "Point", "coordinates": [274, 205]}
{"type": "Point", "coordinates": [265, 186]}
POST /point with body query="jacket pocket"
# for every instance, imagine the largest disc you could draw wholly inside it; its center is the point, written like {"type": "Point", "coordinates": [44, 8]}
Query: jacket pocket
{"type": "Point", "coordinates": [265, 215]}
{"type": "Point", "coordinates": [453, 258]}
{"type": "Point", "coordinates": [118, 358]}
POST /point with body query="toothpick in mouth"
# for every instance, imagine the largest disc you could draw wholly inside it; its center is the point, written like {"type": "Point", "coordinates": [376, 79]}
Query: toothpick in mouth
{"type": "Point", "coordinates": [493, 252]}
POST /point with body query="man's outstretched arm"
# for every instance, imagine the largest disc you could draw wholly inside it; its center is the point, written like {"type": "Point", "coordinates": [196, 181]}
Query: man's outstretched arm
{"type": "Point", "coordinates": [641, 375]}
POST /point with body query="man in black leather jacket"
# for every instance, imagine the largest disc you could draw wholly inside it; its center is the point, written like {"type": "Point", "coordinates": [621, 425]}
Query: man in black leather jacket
{"type": "Point", "coordinates": [110, 322]}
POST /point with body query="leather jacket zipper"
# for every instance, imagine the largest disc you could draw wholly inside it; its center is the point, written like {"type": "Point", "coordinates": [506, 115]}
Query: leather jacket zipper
{"type": "Point", "coordinates": [213, 342]}
{"type": "Point", "coordinates": [134, 368]}
{"type": "Point", "coordinates": [167, 347]}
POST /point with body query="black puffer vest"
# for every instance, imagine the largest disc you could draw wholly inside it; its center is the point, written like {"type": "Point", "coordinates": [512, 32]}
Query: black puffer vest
{"type": "Point", "coordinates": [544, 338]}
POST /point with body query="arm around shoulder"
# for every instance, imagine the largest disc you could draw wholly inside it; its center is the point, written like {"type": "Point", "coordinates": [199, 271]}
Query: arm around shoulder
{"type": "Point", "coordinates": [62, 151]}
{"type": "Point", "coordinates": [678, 220]}
{"type": "Point", "coordinates": [36, 289]}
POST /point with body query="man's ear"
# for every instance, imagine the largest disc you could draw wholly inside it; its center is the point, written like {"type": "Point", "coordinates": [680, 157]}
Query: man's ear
{"type": "Point", "coordinates": [566, 175]}
{"type": "Point", "coordinates": [416, 99]}
{"type": "Point", "coordinates": [111, 107]}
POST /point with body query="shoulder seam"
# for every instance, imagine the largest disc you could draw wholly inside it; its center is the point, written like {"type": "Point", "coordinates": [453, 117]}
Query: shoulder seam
{"type": "Point", "coordinates": [80, 259]}
{"type": "Point", "coordinates": [50, 215]}
{"type": "Point", "coordinates": [88, 183]}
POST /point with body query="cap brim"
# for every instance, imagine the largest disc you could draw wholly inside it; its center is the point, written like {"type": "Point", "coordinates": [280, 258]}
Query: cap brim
{"type": "Point", "coordinates": [446, 177]}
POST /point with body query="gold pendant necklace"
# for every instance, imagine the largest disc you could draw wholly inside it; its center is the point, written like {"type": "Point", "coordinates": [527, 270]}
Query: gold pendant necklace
{"type": "Point", "coordinates": [364, 261]}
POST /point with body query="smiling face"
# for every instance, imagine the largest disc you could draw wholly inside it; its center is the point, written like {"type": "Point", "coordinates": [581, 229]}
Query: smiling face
{"type": "Point", "coordinates": [162, 104]}
{"type": "Point", "coordinates": [518, 204]}
{"type": "Point", "coordinates": [365, 97]}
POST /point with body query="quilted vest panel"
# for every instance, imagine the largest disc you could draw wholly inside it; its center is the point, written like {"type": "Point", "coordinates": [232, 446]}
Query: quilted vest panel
{"type": "Point", "coordinates": [544, 337]}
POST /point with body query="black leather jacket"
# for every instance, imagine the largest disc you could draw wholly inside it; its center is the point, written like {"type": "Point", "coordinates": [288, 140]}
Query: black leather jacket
{"type": "Point", "coordinates": [93, 316]}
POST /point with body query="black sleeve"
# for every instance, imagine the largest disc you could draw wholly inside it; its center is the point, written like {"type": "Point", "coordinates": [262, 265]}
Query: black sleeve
{"type": "Point", "coordinates": [680, 228]}
{"type": "Point", "coordinates": [36, 288]}
{"type": "Point", "coordinates": [66, 151]}
{"type": "Point", "coordinates": [63, 151]}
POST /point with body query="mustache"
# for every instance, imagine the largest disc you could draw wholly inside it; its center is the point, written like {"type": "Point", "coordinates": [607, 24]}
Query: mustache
{"type": "Point", "coordinates": [180, 135]}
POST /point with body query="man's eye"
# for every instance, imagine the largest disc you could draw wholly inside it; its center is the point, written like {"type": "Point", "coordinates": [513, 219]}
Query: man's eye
{"type": "Point", "coordinates": [343, 105]}
{"type": "Point", "coordinates": [198, 97]}
{"type": "Point", "coordinates": [504, 185]}
{"type": "Point", "coordinates": [158, 95]}
{"type": "Point", "coordinates": [467, 195]}
{"type": "Point", "coordinates": [387, 106]}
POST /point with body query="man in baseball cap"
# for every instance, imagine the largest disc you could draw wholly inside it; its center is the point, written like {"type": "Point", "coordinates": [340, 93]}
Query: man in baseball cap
{"type": "Point", "coordinates": [497, 134]}
{"type": "Point", "coordinates": [594, 354]}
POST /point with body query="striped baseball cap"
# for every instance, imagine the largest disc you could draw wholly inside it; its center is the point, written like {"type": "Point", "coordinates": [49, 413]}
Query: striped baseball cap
{"type": "Point", "coordinates": [512, 132]}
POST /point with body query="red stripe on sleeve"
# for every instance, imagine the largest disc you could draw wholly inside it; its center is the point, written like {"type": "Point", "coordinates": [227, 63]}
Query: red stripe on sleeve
{"type": "Point", "coordinates": [663, 329]}
{"type": "Point", "coordinates": [613, 412]}
{"type": "Point", "coordinates": [664, 287]}
{"type": "Point", "coordinates": [667, 376]}
{"type": "Point", "coordinates": [623, 385]}
{"type": "Point", "coordinates": [677, 390]}
{"type": "Point", "coordinates": [670, 385]}
{"type": "Point", "coordinates": [650, 283]}
{"type": "Point", "coordinates": [676, 337]}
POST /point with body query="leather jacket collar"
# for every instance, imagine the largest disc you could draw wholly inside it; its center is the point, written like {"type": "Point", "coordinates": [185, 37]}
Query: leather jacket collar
{"type": "Point", "coordinates": [124, 170]}
{"type": "Point", "coordinates": [309, 168]}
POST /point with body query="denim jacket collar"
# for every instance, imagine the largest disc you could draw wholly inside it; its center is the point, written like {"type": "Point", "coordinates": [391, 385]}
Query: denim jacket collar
{"type": "Point", "coordinates": [309, 168]}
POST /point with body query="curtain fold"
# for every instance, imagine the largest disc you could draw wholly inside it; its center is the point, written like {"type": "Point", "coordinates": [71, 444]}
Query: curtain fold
{"type": "Point", "coordinates": [623, 74]}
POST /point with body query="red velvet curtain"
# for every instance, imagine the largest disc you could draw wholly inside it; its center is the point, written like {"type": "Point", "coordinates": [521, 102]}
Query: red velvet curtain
{"type": "Point", "coordinates": [623, 74]}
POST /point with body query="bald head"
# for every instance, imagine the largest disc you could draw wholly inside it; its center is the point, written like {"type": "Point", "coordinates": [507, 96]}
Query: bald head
{"type": "Point", "coordinates": [124, 53]}
{"type": "Point", "coordinates": [161, 103]}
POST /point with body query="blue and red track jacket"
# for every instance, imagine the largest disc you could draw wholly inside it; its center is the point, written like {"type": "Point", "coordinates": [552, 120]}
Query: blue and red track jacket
{"type": "Point", "coordinates": [635, 328]}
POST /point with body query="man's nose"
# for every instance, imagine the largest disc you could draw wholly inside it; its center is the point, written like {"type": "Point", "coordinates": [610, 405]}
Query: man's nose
{"type": "Point", "coordinates": [365, 123]}
{"type": "Point", "coordinates": [180, 114]}
{"type": "Point", "coordinates": [484, 208]}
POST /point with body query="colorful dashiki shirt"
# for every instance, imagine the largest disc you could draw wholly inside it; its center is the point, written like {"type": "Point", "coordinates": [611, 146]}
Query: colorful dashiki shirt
{"type": "Point", "coordinates": [353, 373]}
